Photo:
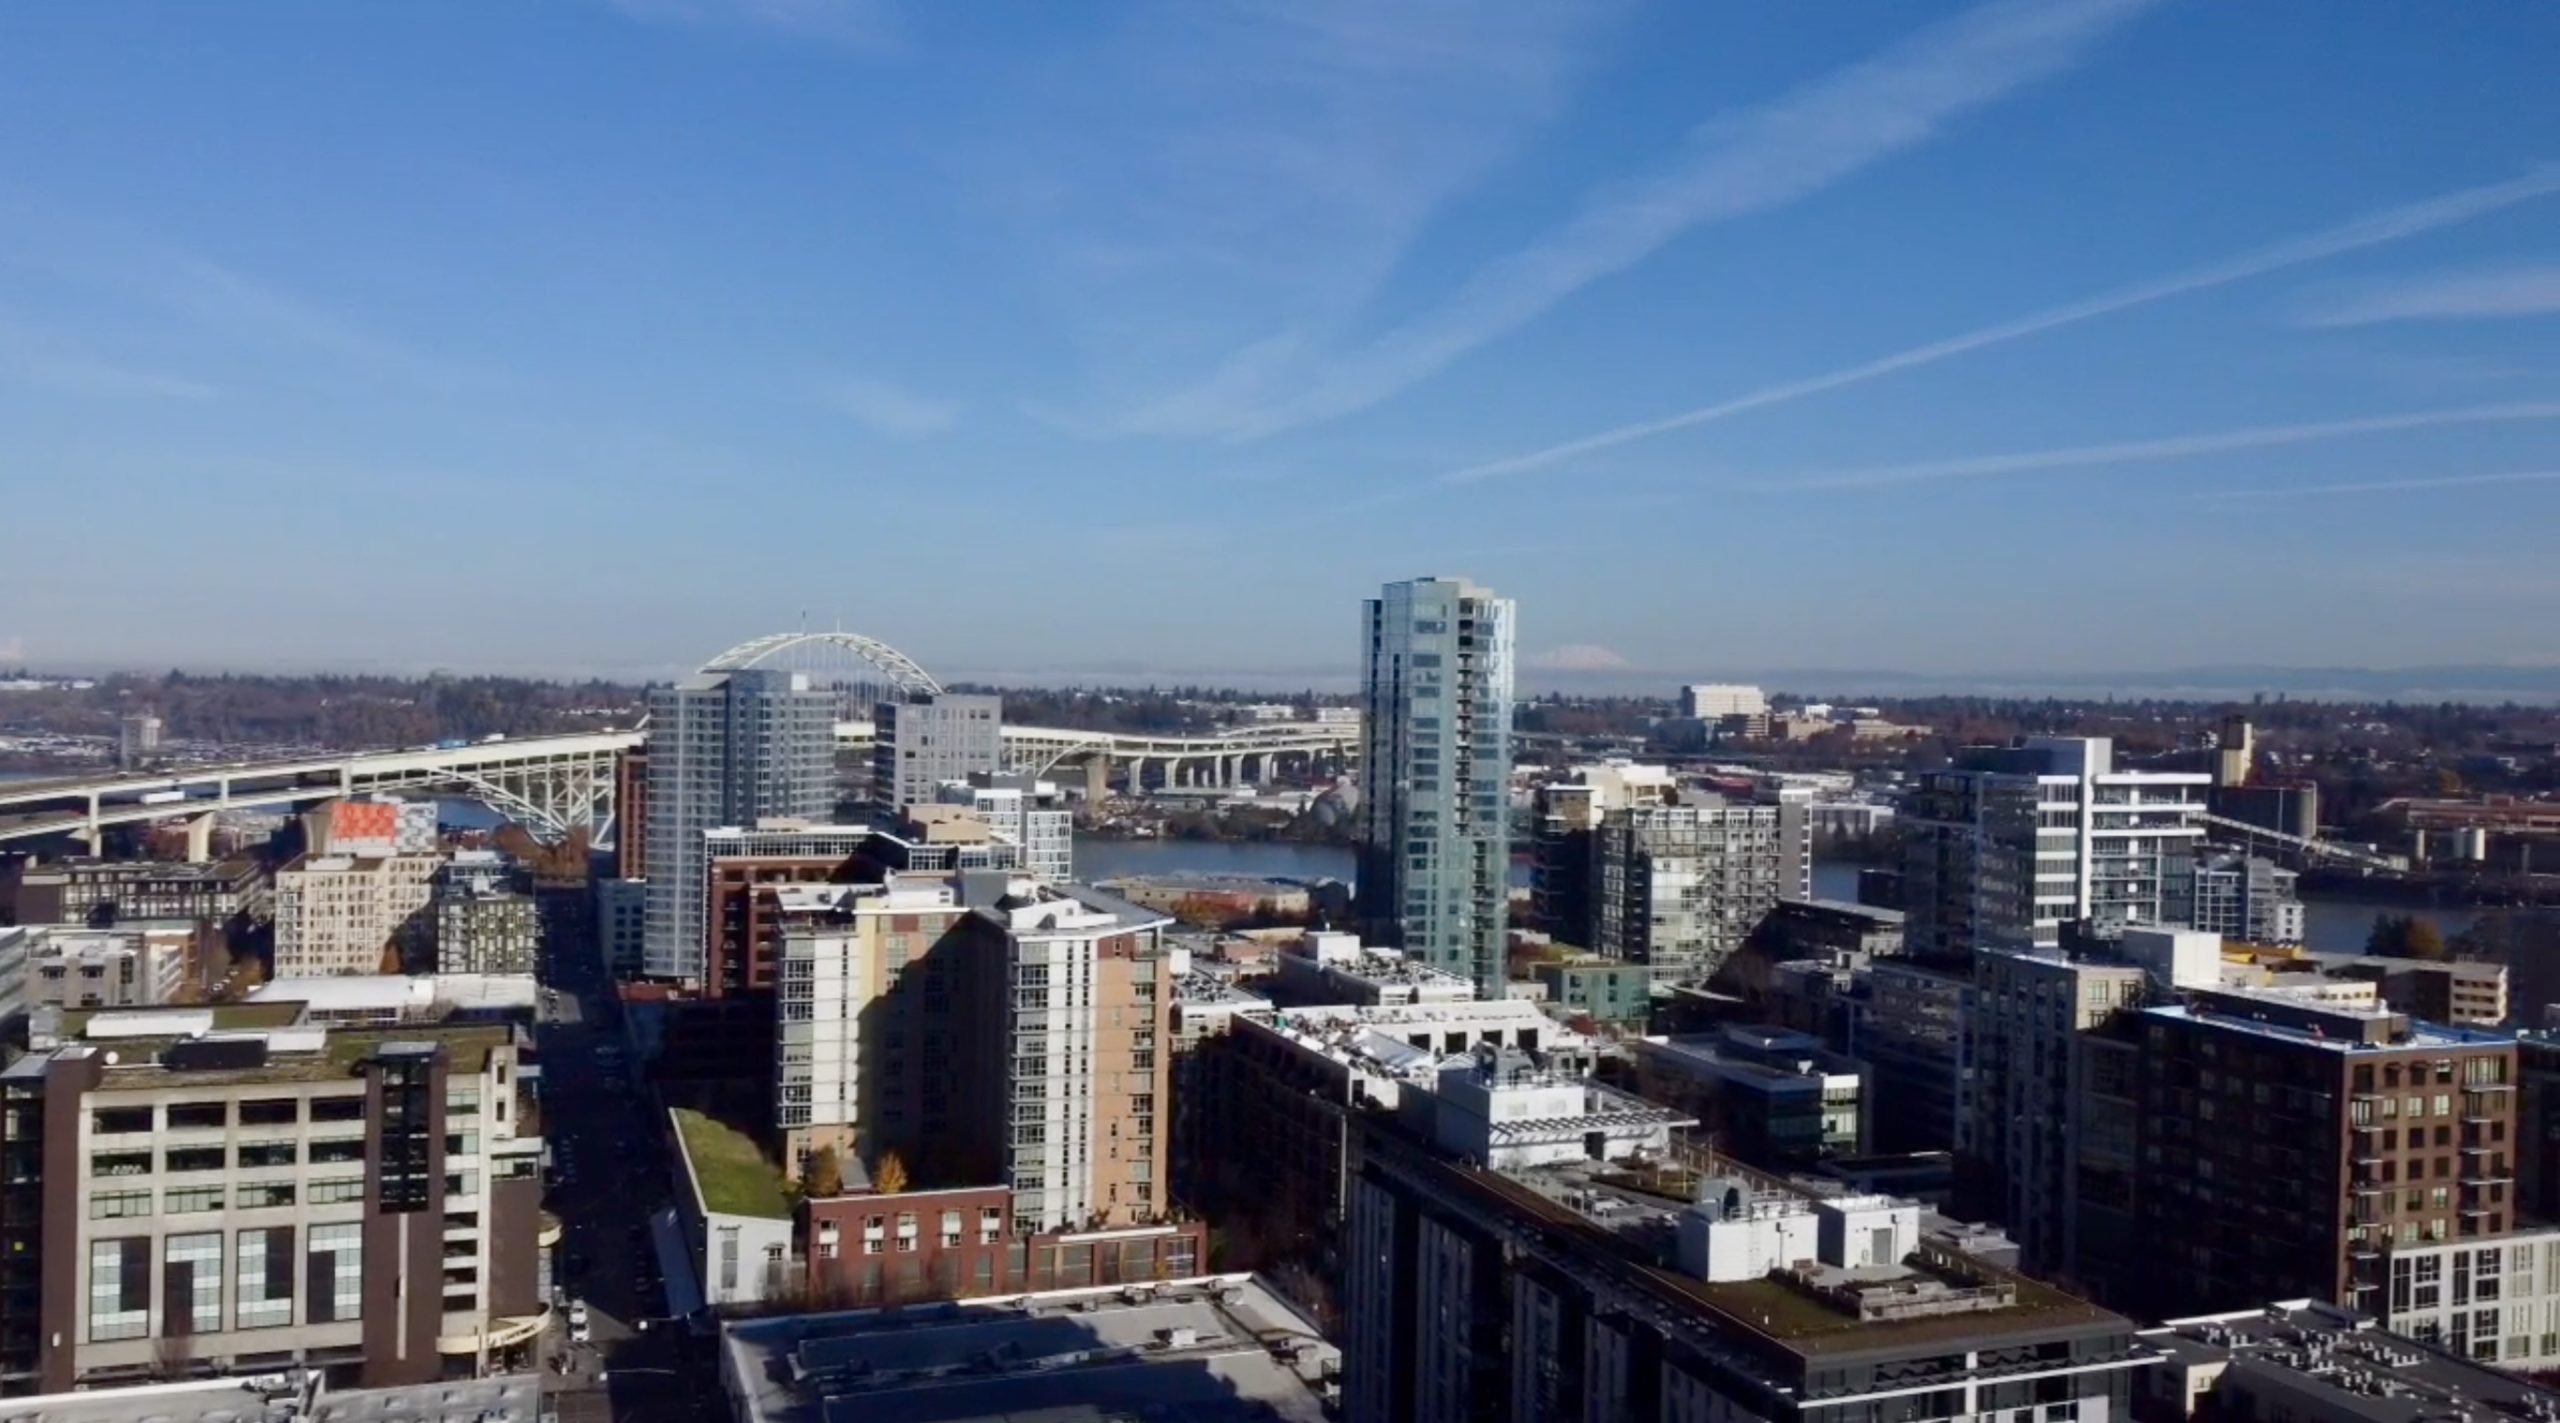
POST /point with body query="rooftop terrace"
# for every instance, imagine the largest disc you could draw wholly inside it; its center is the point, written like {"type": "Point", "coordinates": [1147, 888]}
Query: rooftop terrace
{"type": "Point", "coordinates": [729, 1169]}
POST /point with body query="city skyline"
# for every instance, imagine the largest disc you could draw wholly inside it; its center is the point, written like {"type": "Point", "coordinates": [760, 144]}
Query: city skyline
{"type": "Point", "coordinates": [2001, 341]}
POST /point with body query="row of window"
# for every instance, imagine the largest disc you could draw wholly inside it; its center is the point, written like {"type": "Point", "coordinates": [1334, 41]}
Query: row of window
{"type": "Point", "coordinates": [251, 1155]}
{"type": "Point", "coordinates": [200, 1116]}
{"type": "Point", "coordinates": [268, 1273]}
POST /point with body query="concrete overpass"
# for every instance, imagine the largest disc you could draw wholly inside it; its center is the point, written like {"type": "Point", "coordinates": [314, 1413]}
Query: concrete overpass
{"type": "Point", "coordinates": [552, 785]}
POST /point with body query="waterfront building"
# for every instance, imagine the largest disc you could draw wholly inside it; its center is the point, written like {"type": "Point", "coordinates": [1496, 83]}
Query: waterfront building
{"type": "Point", "coordinates": [2236, 895]}
{"type": "Point", "coordinates": [1435, 774]}
{"type": "Point", "coordinates": [2018, 841]}
{"type": "Point", "coordinates": [1566, 812]}
{"type": "Point", "coordinates": [1680, 887]}
{"type": "Point", "coordinates": [727, 748]}
{"type": "Point", "coordinates": [1026, 810]}
{"type": "Point", "coordinates": [930, 738]}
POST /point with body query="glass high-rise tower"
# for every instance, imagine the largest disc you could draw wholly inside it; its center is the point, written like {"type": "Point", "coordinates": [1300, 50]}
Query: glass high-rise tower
{"type": "Point", "coordinates": [727, 748]}
{"type": "Point", "coordinates": [1435, 774]}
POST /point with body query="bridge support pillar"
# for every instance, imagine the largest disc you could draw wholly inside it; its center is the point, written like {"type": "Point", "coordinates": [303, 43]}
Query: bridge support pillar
{"type": "Point", "coordinates": [1097, 779]}
{"type": "Point", "coordinates": [1231, 774]}
{"type": "Point", "coordinates": [200, 838]}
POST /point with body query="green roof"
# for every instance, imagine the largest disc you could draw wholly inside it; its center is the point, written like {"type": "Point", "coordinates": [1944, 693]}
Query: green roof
{"type": "Point", "coordinates": [729, 1170]}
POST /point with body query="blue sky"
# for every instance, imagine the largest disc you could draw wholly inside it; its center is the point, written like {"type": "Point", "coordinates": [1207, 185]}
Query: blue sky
{"type": "Point", "coordinates": [1150, 337]}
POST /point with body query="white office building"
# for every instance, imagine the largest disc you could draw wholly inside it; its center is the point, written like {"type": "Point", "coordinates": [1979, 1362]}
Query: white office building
{"type": "Point", "coordinates": [2021, 840]}
{"type": "Point", "coordinates": [1435, 858]}
{"type": "Point", "coordinates": [1709, 701]}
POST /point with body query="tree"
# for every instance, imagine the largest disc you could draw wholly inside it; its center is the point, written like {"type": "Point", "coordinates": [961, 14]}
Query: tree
{"type": "Point", "coordinates": [824, 1175]}
{"type": "Point", "coordinates": [2422, 940]}
{"type": "Point", "coordinates": [2406, 936]}
{"type": "Point", "coordinates": [890, 1177]}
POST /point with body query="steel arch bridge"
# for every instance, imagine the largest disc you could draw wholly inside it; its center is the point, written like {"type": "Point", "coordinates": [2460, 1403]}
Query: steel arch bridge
{"type": "Point", "coordinates": [904, 671]}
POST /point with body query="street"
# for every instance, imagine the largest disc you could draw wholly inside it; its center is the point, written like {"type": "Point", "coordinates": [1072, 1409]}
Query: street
{"type": "Point", "coordinates": [608, 1175]}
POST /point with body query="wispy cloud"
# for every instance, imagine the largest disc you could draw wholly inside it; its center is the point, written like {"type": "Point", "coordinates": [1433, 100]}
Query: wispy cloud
{"type": "Point", "coordinates": [2167, 447]}
{"type": "Point", "coordinates": [2370, 231]}
{"type": "Point", "coordinates": [889, 409]}
{"type": "Point", "coordinates": [114, 273]}
{"type": "Point", "coordinates": [855, 24]}
{"type": "Point", "coordinates": [1803, 142]}
{"type": "Point", "coordinates": [48, 362]}
{"type": "Point", "coordinates": [2483, 294]}
{"type": "Point", "coordinates": [1218, 190]}
{"type": "Point", "coordinates": [2383, 486]}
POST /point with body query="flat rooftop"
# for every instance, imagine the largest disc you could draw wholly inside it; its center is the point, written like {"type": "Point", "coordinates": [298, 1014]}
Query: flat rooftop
{"type": "Point", "coordinates": [1784, 1318]}
{"type": "Point", "coordinates": [729, 1169]}
{"type": "Point", "coordinates": [510, 1398]}
{"type": "Point", "coordinates": [2421, 1036]}
{"type": "Point", "coordinates": [1202, 1351]}
{"type": "Point", "coordinates": [2348, 1363]}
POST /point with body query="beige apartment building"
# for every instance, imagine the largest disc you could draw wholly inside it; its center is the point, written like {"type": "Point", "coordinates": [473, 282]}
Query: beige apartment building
{"type": "Point", "coordinates": [982, 1027]}
{"type": "Point", "coordinates": [344, 913]}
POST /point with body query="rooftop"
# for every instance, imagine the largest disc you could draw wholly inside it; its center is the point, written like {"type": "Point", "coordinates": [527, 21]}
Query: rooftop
{"type": "Point", "coordinates": [2296, 1019]}
{"type": "Point", "coordinates": [512, 1398]}
{"type": "Point", "coordinates": [1195, 1351]}
{"type": "Point", "coordinates": [1848, 907]}
{"type": "Point", "coordinates": [1783, 1314]}
{"type": "Point", "coordinates": [729, 1169]}
{"type": "Point", "coordinates": [2347, 1363]}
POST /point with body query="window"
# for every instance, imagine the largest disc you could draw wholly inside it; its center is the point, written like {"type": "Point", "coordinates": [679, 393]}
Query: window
{"type": "Point", "coordinates": [343, 1150]}
{"type": "Point", "coordinates": [119, 1205]}
{"type": "Point", "coordinates": [267, 1194]}
{"type": "Point", "coordinates": [109, 1121]}
{"type": "Point", "coordinates": [270, 1112]}
{"type": "Point", "coordinates": [120, 1163]}
{"type": "Point", "coordinates": [337, 1109]}
{"type": "Point", "coordinates": [194, 1200]}
{"type": "Point", "coordinates": [337, 1190]}
{"type": "Point", "coordinates": [194, 1281]}
{"type": "Point", "coordinates": [119, 1289]}
{"type": "Point", "coordinates": [194, 1158]}
{"type": "Point", "coordinates": [196, 1116]}
{"type": "Point", "coordinates": [335, 1268]}
{"type": "Point", "coordinates": [269, 1153]}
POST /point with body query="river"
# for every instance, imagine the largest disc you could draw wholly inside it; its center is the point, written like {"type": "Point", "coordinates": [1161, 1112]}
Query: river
{"type": "Point", "coordinates": [2330, 925]}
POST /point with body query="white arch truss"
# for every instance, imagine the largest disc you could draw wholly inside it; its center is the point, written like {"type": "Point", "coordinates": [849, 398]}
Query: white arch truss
{"type": "Point", "coordinates": [902, 669]}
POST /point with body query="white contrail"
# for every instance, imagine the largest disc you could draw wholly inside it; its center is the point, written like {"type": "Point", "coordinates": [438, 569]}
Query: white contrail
{"type": "Point", "coordinates": [2387, 486]}
{"type": "Point", "coordinates": [2167, 447]}
{"type": "Point", "coordinates": [2370, 231]}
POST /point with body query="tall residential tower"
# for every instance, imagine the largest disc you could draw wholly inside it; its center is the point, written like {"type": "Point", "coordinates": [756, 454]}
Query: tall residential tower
{"type": "Point", "coordinates": [1435, 857]}
{"type": "Point", "coordinates": [727, 748]}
